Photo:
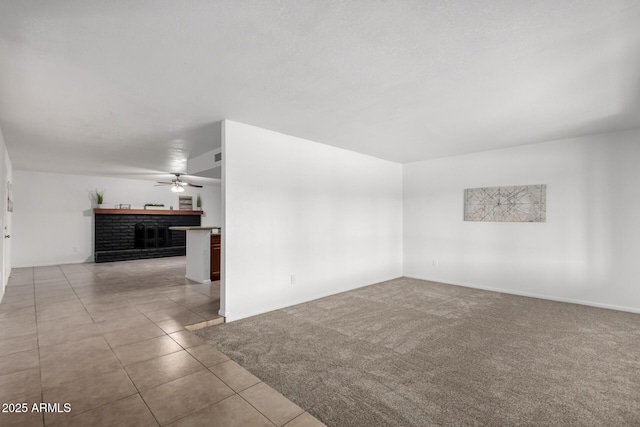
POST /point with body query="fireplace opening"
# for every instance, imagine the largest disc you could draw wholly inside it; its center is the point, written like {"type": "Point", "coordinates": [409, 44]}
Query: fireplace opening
{"type": "Point", "coordinates": [151, 236]}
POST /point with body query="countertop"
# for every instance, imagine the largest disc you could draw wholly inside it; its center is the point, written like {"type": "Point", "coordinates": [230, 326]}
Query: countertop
{"type": "Point", "coordinates": [187, 228]}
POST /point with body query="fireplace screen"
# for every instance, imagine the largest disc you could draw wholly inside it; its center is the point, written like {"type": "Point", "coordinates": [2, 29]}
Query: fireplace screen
{"type": "Point", "coordinates": [151, 236]}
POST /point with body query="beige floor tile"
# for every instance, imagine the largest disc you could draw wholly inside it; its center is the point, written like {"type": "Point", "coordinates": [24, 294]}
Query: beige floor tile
{"type": "Point", "coordinates": [99, 304]}
{"type": "Point", "coordinates": [28, 419]}
{"type": "Point", "coordinates": [207, 355]}
{"type": "Point", "coordinates": [43, 301]}
{"type": "Point", "coordinates": [231, 412]}
{"type": "Point", "coordinates": [272, 404]}
{"type": "Point", "coordinates": [85, 315]}
{"type": "Point", "coordinates": [52, 285]}
{"type": "Point", "coordinates": [195, 298]}
{"type": "Point", "coordinates": [146, 350]}
{"type": "Point", "coordinates": [186, 339]}
{"type": "Point", "coordinates": [8, 322]}
{"type": "Point", "coordinates": [19, 287]}
{"type": "Point", "coordinates": [20, 290]}
{"type": "Point", "coordinates": [74, 369]}
{"type": "Point", "coordinates": [54, 304]}
{"type": "Point", "coordinates": [18, 344]}
{"type": "Point", "coordinates": [13, 330]}
{"type": "Point", "coordinates": [170, 326]}
{"type": "Point", "coordinates": [15, 303]}
{"type": "Point", "coordinates": [234, 375]}
{"type": "Point", "coordinates": [209, 314]}
{"type": "Point", "coordinates": [63, 333]}
{"type": "Point", "coordinates": [202, 325]}
{"type": "Point", "coordinates": [49, 279]}
{"type": "Point", "coordinates": [176, 399]}
{"type": "Point", "coordinates": [84, 347]}
{"type": "Point", "coordinates": [134, 334]}
{"type": "Point", "coordinates": [187, 318]}
{"type": "Point", "coordinates": [71, 321]}
{"type": "Point", "coordinates": [93, 299]}
{"type": "Point", "coordinates": [305, 420]}
{"type": "Point", "coordinates": [22, 295]}
{"type": "Point", "coordinates": [163, 369]}
{"type": "Point", "coordinates": [60, 313]}
{"type": "Point", "coordinates": [15, 362]}
{"type": "Point", "coordinates": [72, 361]}
{"type": "Point", "coordinates": [145, 297]}
{"type": "Point", "coordinates": [165, 313]}
{"type": "Point", "coordinates": [61, 295]}
{"type": "Point", "coordinates": [128, 412]}
{"type": "Point", "coordinates": [9, 305]}
{"type": "Point", "coordinates": [111, 325]}
{"type": "Point", "coordinates": [24, 311]}
{"type": "Point", "coordinates": [121, 313]}
{"type": "Point", "coordinates": [54, 296]}
{"type": "Point", "coordinates": [162, 304]}
{"type": "Point", "coordinates": [71, 318]}
{"type": "Point", "coordinates": [89, 393]}
{"type": "Point", "coordinates": [19, 282]}
{"type": "Point", "coordinates": [19, 384]}
{"type": "Point", "coordinates": [20, 306]}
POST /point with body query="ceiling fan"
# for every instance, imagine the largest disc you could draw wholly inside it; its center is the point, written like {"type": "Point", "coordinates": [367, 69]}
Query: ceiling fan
{"type": "Point", "coordinates": [177, 184]}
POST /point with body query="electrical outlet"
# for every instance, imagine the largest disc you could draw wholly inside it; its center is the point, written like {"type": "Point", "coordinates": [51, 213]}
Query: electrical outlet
{"type": "Point", "coordinates": [293, 279]}
{"type": "Point", "coordinates": [75, 249]}
{"type": "Point", "coordinates": [435, 263]}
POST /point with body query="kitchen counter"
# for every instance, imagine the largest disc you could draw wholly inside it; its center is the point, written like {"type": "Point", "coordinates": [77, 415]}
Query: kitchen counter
{"type": "Point", "coordinates": [187, 228]}
{"type": "Point", "coordinates": [198, 252]}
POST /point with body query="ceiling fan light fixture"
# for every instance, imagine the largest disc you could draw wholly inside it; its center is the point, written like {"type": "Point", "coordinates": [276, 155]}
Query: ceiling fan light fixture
{"type": "Point", "coordinates": [177, 184]}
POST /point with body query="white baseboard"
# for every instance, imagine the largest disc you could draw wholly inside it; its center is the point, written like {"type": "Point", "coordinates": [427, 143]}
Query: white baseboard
{"type": "Point", "coordinates": [532, 295]}
{"type": "Point", "coordinates": [204, 282]}
{"type": "Point", "coordinates": [312, 297]}
{"type": "Point", "coordinates": [50, 264]}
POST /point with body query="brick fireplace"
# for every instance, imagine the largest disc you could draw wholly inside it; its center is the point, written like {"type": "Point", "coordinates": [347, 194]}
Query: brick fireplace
{"type": "Point", "coordinates": [127, 234]}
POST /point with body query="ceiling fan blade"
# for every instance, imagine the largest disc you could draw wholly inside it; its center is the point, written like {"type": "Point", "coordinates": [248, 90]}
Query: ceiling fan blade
{"type": "Point", "coordinates": [178, 182]}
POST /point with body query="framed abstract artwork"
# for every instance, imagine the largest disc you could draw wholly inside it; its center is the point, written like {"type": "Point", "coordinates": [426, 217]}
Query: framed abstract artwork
{"type": "Point", "coordinates": [521, 203]}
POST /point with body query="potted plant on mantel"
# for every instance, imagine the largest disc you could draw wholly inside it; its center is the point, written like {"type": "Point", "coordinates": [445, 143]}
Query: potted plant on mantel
{"type": "Point", "coordinates": [98, 196]}
{"type": "Point", "coordinates": [154, 206]}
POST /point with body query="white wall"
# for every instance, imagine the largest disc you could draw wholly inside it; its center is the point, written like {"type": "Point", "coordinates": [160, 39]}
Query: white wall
{"type": "Point", "coordinates": [54, 216]}
{"type": "Point", "coordinates": [6, 174]}
{"type": "Point", "coordinates": [331, 217]}
{"type": "Point", "coordinates": [586, 252]}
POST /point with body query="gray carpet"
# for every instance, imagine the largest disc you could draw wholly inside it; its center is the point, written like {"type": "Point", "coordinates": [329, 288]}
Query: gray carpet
{"type": "Point", "coordinates": [415, 353]}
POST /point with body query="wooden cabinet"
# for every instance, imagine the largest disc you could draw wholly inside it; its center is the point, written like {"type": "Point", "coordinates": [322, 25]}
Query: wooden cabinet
{"type": "Point", "coordinates": [215, 257]}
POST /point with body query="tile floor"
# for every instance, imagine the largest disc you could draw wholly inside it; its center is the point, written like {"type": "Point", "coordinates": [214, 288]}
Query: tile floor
{"type": "Point", "coordinates": [111, 340]}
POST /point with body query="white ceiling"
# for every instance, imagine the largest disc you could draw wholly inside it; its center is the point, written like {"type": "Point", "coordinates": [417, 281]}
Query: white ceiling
{"type": "Point", "coordinates": [134, 87]}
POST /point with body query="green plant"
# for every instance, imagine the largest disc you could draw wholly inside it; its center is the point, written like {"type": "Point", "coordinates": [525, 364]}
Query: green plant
{"type": "Point", "coordinates": [99, 196]}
